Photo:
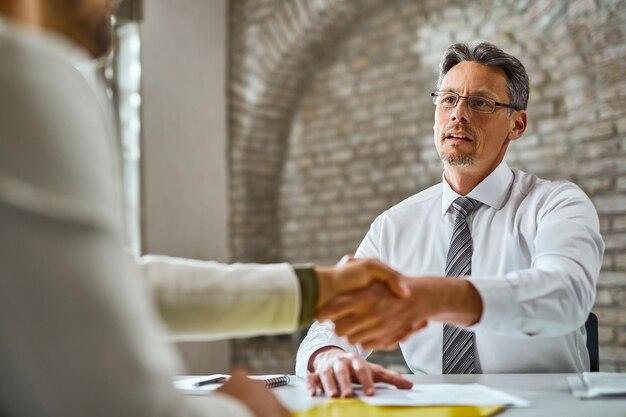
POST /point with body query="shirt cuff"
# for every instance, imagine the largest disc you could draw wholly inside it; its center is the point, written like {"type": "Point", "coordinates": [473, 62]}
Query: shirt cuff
{"type": "Point", "coordinates": [500, 308]}
{"type": "Point", "coordinates": [309, 293]}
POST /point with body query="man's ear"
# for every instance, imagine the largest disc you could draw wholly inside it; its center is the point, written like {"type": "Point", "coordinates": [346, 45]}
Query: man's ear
{"type": "Point", "coordinates": [518, 125]}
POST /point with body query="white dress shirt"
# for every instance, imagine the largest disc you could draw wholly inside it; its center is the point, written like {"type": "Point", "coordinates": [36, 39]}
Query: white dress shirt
{"type": "Point", "coordinates": [537, 253]}
{"type": "Point", "coordinates": [79, 335]}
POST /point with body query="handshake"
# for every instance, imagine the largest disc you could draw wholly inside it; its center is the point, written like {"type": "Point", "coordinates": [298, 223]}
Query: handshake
{"type": "Point", "coordinates": [373, 306]}
{"type": "Point", "coordinates": [357, 294]}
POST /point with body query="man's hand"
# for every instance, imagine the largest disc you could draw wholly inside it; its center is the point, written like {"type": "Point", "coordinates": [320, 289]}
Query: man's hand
{"type": "Point", "coordinates": [356, 274]}
{"type": "Point", "coordinates": [334, 371]}
{"type": "Point", "coordinates": [374, 319]}
{"type": "Point", "coordinates": [255, 395]}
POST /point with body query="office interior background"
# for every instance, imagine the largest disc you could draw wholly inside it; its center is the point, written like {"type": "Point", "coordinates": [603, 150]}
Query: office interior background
{"type": "Point", "coordinates": [277, 130]}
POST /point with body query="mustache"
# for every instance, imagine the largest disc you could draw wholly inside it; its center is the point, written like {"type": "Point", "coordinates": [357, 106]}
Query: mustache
{"type": "Point", "coordinates": [458, 126]}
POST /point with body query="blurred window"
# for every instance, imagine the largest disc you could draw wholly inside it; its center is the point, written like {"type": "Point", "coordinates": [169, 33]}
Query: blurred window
{"type": "Point", "coordinates": [123, 76]}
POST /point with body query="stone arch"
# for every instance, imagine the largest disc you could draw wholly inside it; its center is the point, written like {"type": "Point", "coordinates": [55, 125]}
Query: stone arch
{"type": "Point", "coordinates": [267, 72]}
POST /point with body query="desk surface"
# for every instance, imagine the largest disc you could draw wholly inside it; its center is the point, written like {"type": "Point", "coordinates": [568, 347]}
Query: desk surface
{"type": "Point", "coordinates": [549, 394]}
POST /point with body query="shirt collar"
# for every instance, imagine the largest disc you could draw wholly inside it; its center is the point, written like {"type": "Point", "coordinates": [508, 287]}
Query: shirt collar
{"type": "Point", "coordinates": [492, 191]}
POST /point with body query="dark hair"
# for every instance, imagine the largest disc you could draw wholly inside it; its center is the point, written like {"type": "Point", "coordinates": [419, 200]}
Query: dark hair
{"type": "Point", "coordinates": [488, 54]}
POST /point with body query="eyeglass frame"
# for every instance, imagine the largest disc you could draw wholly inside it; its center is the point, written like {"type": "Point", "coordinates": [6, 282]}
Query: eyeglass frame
{"type": "Point", "coordinates": [435, 94]}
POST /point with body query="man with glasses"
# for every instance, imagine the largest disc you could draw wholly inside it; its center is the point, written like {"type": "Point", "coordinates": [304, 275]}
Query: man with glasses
{"type": "Point", "coordinates": [505, 264]}
{"type": "Point", "coordinates": [449, 99]}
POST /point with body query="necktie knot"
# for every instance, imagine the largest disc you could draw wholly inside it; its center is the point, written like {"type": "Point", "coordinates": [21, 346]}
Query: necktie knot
{"type": "Point", "coordinates": [463, 206]}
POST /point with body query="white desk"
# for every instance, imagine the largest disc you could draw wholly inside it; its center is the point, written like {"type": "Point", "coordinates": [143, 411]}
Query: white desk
{"type": "Point", "coordinates": [549, 394]}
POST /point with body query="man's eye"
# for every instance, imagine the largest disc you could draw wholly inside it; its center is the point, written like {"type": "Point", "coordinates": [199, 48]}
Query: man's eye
{"type": "Point", "coordinates": [480, 103]}
{"type": "Point", "coordinates": [448, 99]}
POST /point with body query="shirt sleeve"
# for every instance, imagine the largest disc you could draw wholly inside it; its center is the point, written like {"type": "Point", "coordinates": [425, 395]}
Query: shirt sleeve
{"type": "Point", "coordinates": [209, 300]}
{"type": "Point", "coordinates": [320, 335]}
{"type": "Point", "coordinates": [309, 292]}
{"type": "Point", "coordinates": [555, 295]}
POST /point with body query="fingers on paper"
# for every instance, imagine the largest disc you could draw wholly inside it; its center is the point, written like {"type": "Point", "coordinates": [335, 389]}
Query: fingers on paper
{"type": "Point", "coordinates": [329, 383]}
{"type": "Point", "coordinates": [363, 374]}
{"type": "Point", "coordinates": [384, 375]}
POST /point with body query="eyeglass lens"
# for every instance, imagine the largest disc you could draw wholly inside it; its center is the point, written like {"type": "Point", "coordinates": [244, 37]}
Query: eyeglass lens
{"type": "Point", "coordinates": [477, 103]}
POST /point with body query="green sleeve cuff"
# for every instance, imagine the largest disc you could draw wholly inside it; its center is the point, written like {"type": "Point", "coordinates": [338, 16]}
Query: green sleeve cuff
{"type": "Point", "coordinates": [309, 292]}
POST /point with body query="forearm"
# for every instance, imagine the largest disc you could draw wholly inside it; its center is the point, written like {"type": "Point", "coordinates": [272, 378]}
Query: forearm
{"type": "Point", "coordinates": [325, 292]}
{"type": "Point", "coordinates": [450, 300]}
{"type": "Point", "coordinates": [209, 300]}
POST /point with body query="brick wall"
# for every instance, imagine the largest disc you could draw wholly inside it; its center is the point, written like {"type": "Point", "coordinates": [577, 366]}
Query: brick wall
{"type": "Point", "coordinates": [353, 131]}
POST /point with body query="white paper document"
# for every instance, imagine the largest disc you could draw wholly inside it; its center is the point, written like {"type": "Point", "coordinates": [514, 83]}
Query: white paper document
{"type": "Point", "coordinates": [597, 384]}
{"type": "Point", "coordinates": [442, 394]}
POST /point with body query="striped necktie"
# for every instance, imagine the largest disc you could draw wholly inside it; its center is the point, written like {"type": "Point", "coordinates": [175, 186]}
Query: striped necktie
{"type": "Point", "coordinates": [458, 344]}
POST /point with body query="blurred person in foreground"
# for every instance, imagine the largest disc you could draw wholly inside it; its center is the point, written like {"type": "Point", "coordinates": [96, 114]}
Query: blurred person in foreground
{"type": "Point", "coordinates": [78, 331]}
{"type": "Point", "coordinates": [505, 264]}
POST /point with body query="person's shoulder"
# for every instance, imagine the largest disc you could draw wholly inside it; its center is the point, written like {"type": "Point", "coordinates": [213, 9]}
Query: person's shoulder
{"type": "Point", "coordinates": [49, 112]}
{"type": "Point", "coordinates": [419, 201]}
{"type": "Point", "coordinates": [44, 97]}
{"type": "Point", "coordinates": [24, 64]}
{"type": "Point", "coordinates": [544, 190]}
{"type": "Point", "coordinates": [40, 90]}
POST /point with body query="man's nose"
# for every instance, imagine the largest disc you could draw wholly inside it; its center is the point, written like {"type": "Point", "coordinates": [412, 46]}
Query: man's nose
{"type": "Point", "coordinates": [461, 112]}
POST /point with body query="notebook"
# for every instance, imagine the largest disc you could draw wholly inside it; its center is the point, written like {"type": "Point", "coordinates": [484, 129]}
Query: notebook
{"type": "Point", "coordinates": [201, 385]}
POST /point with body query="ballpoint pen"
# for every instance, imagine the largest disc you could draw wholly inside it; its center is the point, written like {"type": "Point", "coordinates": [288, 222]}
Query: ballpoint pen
{"type": "Point", "coordinates": [217, 380]}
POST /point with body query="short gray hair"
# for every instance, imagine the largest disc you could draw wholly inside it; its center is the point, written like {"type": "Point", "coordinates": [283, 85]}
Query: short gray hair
{"type": "Point", "coordinates": [488, 54]}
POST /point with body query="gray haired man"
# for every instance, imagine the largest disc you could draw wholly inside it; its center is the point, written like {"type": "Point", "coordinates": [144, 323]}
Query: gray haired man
{"type": "Point", "coordinates": [504, 264]}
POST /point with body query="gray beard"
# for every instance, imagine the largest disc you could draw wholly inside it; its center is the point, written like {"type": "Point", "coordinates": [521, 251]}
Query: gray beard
{"type": "Point", "coordinates": [458, 161]}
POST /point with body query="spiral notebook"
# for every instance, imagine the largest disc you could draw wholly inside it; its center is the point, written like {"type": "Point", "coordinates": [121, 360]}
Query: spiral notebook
{"type": "Point", "coordinates": [200, 385]}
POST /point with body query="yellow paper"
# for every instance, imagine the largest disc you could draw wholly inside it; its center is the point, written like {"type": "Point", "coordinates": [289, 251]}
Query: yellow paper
{"type": "Point", "coordinates": [357, 408]}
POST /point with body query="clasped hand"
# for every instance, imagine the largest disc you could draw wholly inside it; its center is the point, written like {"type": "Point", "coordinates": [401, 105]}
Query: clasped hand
{"type": "Point", "coordinates": [370, 303]}
{"type": "Point", "coordinates": [374, 318]}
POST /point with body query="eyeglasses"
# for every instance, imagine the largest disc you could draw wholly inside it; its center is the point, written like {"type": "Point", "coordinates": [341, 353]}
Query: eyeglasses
{"type": "Point", "coordinates": [449, 99]}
